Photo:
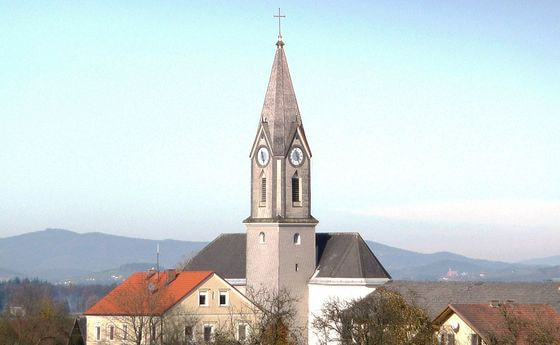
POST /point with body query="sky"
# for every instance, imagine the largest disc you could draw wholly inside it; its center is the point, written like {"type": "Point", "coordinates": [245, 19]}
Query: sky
{"type": "Point", "coordinates": [434, 125]}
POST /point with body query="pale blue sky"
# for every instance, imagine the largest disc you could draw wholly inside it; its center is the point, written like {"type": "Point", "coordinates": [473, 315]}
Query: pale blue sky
{"type": "Point", "coordinates": [434, 125]}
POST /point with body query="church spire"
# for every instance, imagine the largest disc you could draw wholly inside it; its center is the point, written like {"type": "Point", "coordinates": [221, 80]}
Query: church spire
{"type": "Point", "coordinates": [280, 115]}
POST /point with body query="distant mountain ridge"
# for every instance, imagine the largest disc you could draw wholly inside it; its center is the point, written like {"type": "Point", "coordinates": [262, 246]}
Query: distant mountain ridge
{"type": "Point", "coordinates": [59, 255]}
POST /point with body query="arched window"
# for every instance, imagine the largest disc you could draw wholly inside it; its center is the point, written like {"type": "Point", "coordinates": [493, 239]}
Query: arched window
{"type": "Point", "coordinates": [262, 237]}
{"type": "Point", "coordinates": [297, 239]}
{"type": "Point", "coordinates": [263, 190]}
{"type": "Point", "coordinates": [296, 190]}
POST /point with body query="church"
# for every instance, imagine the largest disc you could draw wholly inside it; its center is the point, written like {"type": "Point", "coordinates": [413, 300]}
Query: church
{"type": "Point", "coordinates": [280, 248]}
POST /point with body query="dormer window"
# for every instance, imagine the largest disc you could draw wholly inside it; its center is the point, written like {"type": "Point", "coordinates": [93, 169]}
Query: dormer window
{"type": "Point", "coordinates": [262, 238]}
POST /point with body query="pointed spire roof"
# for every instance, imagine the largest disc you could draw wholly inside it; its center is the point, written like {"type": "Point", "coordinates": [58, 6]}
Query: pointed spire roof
{"type": "Point", "coordinates": [280, 115]}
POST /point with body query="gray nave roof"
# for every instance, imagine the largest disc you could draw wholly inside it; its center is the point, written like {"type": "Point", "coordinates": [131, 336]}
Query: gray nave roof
{"type": "Point", "coordinates": [339, 255]}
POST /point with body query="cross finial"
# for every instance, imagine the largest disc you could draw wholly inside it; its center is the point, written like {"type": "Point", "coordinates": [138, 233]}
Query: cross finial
{"type": "Point", "coordinates": [279, 16]}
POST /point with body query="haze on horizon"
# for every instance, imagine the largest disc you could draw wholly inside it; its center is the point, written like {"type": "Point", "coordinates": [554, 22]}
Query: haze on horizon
{"type": "Point", "coordinates": [434, 126]}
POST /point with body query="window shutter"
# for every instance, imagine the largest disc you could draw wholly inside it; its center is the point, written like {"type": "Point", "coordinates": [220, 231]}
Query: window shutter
{"type": "Point", "coordinates": [296, 197]}
{"type": "Point", "coordinates": [263, 190]}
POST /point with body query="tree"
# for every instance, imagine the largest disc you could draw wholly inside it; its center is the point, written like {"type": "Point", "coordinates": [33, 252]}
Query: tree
{"type": "Point", "coordinates": [139, 317]}
{"type": "Point", "coordinates": [33, 317]}
{"type": "Point", "coordinates": [276, 318]}
{"type": "Point", "coordinates": [382, 318]}
{"type": "Point", "coordinates": [531, 329]}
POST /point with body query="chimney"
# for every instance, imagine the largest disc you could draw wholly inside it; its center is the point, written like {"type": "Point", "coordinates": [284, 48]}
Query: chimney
{"type": "Point", "coordinates": [171, 275]}
{"type": "Point", "coordinates": [151, 273]}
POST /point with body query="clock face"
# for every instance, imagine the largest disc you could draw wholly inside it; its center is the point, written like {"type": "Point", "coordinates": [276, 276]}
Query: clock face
{"type": "Point", "coordinates": [296, 156]}
{"type": "Point", "coordinates": [263, 156]}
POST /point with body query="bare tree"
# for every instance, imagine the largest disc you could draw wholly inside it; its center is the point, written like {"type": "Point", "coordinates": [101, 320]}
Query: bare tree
{"type": "Point", "coordinates": [139, 317]}
{"type": "Point", "coordinates": [276, 318]}
{"type": "Point", "coordinates": [382, 318]}
{"type": "Point", "coordinates": [528, 329]}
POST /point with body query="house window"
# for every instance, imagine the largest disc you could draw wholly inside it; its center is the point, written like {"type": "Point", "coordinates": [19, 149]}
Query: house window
{"type": "Point", "coordinates": [262, 237]}
{"type": "Point", "coordinates": [450, 339]}
{"type": "Point", "coordinates": [296, 190]}
{"type": "Point", "coordinates": [476, 340]}
{"type": "Point", "coordinates": [153, 333]}
{"type": "Point", "coordinates": [263, 191]}
{"type": "Point", "coordinates": [189, 335]}
{"type": "Point", "coordinates": [242, 332]}
{"type": "Point", "coordinates": [208, 332]}
{"type": "Point", "coordinates": [97, 333]}
{"type": "Point", "coordinates": [125, 332]}
{"type": "Point", "coordinates": [111, 333]}
{"type": "Point", "coordinates": [297, 239]}
{"type": "Point", "coordinates": [203, 298]}
{"type": "Point", "coordinates": [223, 298]}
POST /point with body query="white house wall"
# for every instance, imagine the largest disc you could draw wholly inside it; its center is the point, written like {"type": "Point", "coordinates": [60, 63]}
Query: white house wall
{"type": "Point", "coordinates": [319, 294]}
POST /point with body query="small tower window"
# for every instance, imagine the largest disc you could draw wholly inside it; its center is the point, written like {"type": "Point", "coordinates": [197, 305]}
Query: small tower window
{"type": "Point", "coordinates": [263, 191]}
{"type": "Point", "coordinates": [297, 239]}
{"type": "Point", "coordinates": [297, 267]}
{"type": "Point", "coordinates": [262, 237]}
{"type": "Point", "coordinates": [296, 190]}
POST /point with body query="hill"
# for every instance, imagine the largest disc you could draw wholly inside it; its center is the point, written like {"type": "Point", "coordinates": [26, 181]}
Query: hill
{"type": "Point", "coordinates": [408, 265]}
{"type": "Point", "coordinates": [62, 256]}
{"type": "Point", "coordinates": [56, 254]}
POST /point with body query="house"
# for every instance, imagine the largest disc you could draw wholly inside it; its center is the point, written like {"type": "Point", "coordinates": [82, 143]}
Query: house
{"type": "Point", "coordinates": [280, 249]}
{"type": "Point", "coordinates": [491, 323]}
{"type": "Point", "coordinates": [171, 306]}
{"type": "Point", "coordinates": [435, 296]}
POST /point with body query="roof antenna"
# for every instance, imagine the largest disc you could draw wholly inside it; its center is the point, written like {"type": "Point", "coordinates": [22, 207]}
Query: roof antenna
{"type": "Point", "coordinates": [157, 261]}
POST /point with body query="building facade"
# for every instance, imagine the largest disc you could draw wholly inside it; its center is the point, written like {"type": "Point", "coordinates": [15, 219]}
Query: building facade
{"type": "Point", "coordinates": [169, 307]}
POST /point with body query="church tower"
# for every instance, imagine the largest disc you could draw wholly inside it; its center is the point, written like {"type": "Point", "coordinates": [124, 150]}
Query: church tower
{"type": "Point", "coordinates": [281, 230]}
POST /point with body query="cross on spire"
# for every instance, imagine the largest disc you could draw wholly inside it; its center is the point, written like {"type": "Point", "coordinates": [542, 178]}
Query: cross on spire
{"type": "Point", "coordinates": [279, 16]}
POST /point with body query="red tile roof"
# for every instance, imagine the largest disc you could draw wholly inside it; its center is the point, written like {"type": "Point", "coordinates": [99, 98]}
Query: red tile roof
{"type": "Point", "coordinates": [488, 320]}
{"type": "Point", "coordinates": [148, 293]}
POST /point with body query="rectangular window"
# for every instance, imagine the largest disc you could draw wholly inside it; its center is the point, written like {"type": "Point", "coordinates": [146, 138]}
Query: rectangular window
{"type": "Point", "coordinates": [125, 332]}
{"type": "Point", "coordinates": [476, 340]}
{"type": "Point", "coordinates": [223, 298]}
{"type": "Point", "coordinates": [296, 193]}
{"type": "Point", "coordinates": [203, 298]}
{"type": "Point", "coordinates": [153, 333]}
{"type": "Point", "coordinates": [111, 333]}
{"type": "Point", "coordinates": [189, 336]}
{"type": "Point", "coordinates": [242, 332]}
{"type": "Point", "coordinates": [208, 330]}
{"type": "Point", "coordinates": [97, 333]}
{"type": "Point", "coordinates": [263, 191]}
{"type": "Point", "coordinates": [450, 339]}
